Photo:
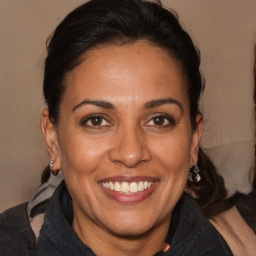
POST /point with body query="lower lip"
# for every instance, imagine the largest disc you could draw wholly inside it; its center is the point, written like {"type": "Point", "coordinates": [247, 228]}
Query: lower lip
{"type": "Point", "coordinates": [130, 198]}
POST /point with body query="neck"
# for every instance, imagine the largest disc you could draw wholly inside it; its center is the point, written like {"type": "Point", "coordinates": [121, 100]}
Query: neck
{"type": "Point", "coordinates": [105, 242]}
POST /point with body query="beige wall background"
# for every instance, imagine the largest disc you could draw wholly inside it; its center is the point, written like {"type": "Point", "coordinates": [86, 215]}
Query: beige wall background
{"type": "Point", "coordinates": [224, 31]}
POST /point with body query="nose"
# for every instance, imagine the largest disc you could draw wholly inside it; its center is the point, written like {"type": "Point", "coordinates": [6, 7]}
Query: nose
{"type": "Point", "coordinates": [130, 149]}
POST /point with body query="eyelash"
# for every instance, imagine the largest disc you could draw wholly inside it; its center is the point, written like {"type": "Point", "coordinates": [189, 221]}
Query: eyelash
{"type": "Point", "coordinates": [167, 118]}
{"type": "Point", "coordinates": [90, 118]}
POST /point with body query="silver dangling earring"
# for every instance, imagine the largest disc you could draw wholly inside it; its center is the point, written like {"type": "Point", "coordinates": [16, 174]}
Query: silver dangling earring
{"type": "Point", "coordinates": [50, 164]}
{"type": "Point", "coordinates": [54, 172]}
{"type": "Point", "coordinates": [194, 175]}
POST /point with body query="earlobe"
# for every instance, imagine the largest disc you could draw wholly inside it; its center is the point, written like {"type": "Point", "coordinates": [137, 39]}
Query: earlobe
{"type": "Point", "coordinates": [50, 136]}
{"type": "Point", "coordinates": [196, 138]}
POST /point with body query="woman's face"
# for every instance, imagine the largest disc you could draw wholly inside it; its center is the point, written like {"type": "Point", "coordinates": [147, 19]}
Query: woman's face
{"type": "Point", "coordinates": [124, 139]}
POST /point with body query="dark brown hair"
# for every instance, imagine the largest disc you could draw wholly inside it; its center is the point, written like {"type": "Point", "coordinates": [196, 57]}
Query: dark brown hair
{"type": "Point", "coordinates": [102, 22]}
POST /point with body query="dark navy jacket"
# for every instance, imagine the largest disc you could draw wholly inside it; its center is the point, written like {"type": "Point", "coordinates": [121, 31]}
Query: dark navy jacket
{"type": "Point", "coordinates": [190, 234]}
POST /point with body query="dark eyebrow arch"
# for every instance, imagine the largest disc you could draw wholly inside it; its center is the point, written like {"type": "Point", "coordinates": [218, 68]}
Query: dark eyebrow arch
{"type": "Point", "coordinates": [159, 102]}
{"type": "Point", "coordinates": [98, 103]}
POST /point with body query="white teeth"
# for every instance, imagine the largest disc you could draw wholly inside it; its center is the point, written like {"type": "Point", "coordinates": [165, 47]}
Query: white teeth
{"type": "Point", "coordinates": [128, 188]}
{"type": "Point", "coordinates": [141, 186]}
{"type": "Point", "coordinates": [125, 188]}
{"type": "Point", "coordinates": [117, 187]}
{"type": "Point", "coordinates": [133, 187]}
{"type": "Point", "coordinates": [111, 185]}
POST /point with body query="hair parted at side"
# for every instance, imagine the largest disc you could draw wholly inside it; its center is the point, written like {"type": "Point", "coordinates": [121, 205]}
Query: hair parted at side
{"type": "Point", "coordinates": [118, 22]}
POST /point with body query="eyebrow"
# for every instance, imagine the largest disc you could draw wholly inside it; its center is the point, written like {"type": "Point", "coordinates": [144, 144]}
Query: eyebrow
{"type": "Point", "coordinates": [147, 105]}
{"type": "Point", "coordinates": [160, 102]}
{"type": "Point", "coordinates": [98, 103]}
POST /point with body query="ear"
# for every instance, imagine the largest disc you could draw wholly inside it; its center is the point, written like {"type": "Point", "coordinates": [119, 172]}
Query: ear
{"type": "Point", "coordinates": [196, 138]}
{"type": "Point", "coordinates": [50, 136]}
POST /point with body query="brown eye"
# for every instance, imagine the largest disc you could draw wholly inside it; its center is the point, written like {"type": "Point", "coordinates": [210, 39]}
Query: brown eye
{"type": "Point", "coordinates": [159, 120]}
{"type": "Point", "coordinates": [96, 121]}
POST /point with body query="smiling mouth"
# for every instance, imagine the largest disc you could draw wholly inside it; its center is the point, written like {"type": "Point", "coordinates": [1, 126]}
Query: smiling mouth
{"type": "Point", "coordinates": [127, 188]}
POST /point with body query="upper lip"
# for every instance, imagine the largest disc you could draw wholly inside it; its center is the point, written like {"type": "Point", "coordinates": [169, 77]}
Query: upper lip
{"type": "Point", "coordinates": [129, 179]}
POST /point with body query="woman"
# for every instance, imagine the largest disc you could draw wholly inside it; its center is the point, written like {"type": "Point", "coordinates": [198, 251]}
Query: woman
{"type": "Point", "coordinates": [238, 224]}
{"type": "Point", "coordinates": [246, 204]}
{"type": "Point", "coordinates": [122, 85]}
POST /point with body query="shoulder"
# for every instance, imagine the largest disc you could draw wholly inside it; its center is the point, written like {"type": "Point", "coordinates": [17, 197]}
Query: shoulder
{"type": "Point", "coordinates": [13, 220]}
{"type": "Point", "coordinates": [194, 234]}
{"type": "Point", "coordinates": [16, 235]}
{"type": "Point", "coordinates": [235, 231]}
{"type": "Point", "coordinates": [246, 205]}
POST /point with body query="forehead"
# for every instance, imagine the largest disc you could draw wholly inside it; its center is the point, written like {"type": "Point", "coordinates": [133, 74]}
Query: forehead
{"type": "Point", "coordinates": [134, 71]}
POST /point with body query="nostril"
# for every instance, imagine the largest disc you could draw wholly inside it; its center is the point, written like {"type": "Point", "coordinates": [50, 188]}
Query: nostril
{"type": "Point", "coordinates": [130, 148]}
{"type": "Point", "coordinates": [130, 158]}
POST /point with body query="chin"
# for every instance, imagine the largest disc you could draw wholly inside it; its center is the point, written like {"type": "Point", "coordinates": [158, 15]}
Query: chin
{"type": "Point", "coordinates": [130, 232]}
{"type": "Point", "coordinates": [128, 226]}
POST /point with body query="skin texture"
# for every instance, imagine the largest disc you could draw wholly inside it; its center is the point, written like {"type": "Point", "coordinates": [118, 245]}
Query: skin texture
{"type": "Point", "coordinates": [126, 140]}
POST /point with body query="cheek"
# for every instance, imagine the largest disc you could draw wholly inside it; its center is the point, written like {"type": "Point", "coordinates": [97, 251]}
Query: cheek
{"type": "Point", "coordinates": [81, 155]}
{"type": "Point", "coordinates": [173, 151]}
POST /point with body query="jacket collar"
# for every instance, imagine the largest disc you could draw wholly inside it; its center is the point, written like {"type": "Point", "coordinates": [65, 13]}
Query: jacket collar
{"type": "Point", "coordinates": [190, 232]}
